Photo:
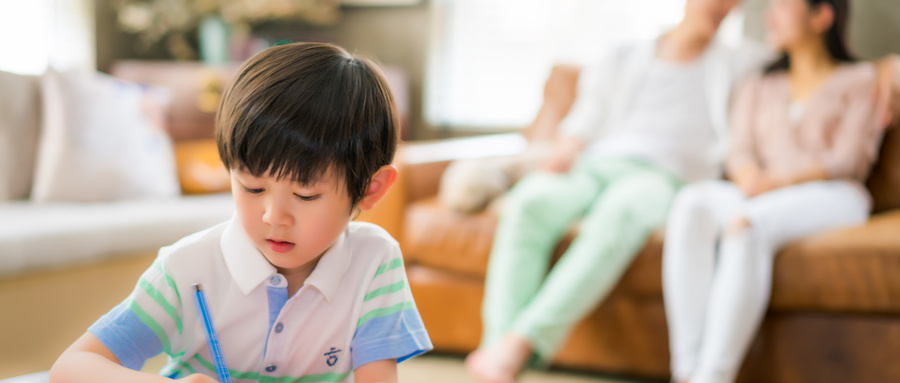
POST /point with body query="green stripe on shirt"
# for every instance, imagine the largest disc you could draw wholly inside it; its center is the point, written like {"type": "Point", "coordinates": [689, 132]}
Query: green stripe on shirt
{"type": "Point", "coordinates": [176, 364]}
{"type": "Point", "coordinates": [326, 377]}
{"type": "Point", "coordinates": [161, 300]}
{"type": "Point", "coordinates": [169, 281]}
{"type": "Point", "coordinates": [384, 311]}
{"type": "Point", "coordinates": [151, 323]}
{"type": "Point", "coordinates": [400, 285]}
{"type": "Point", "coordinates": [393, 264]}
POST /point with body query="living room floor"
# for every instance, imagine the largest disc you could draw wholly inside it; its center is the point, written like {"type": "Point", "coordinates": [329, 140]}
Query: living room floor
{"type": "Point", "coordinates": [47, 318]}
{"type": "Point", "coordinates": [449, 369]}
{"type": "Point", "coordinates": [433, 368]}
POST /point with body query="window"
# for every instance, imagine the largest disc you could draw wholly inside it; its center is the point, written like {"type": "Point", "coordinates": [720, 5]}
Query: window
{"type": "Point", "coordinates": [37, 34]}
{"type": "Point", "coordinates": [489, 58]}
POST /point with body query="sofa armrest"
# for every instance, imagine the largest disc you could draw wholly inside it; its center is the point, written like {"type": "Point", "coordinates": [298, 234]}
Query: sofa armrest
{"type": "Point", "coordinates": [421, 165]}
{"type": "Point", "coordinates": [424, 162]}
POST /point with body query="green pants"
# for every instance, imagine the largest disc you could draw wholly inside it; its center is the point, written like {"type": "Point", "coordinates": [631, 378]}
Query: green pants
{"type": "Point", "coordinates": [620, 202]}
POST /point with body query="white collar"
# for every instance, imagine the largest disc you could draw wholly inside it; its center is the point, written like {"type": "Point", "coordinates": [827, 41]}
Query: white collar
{"type": "Point", "coordinates": [249, 268]}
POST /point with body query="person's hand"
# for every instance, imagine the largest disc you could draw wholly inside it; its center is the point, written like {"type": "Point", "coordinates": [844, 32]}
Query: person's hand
{"type": "Point", "coordinates": [761, 184]}
{"type": "Point", "coordinates": [753, 182]}
{"type": "Point", "coordinates": [558, 162]}
{"type": "Point", "coordinates": [565, 152]}
{"type": "Point", "coordinates": [887, 91]}
{"type": "Point", "coordinates": [197, 378]}
{"type": "Point", "coordinates": [750, 187]}
{"type": "Point", "coordinates": [746, 179]}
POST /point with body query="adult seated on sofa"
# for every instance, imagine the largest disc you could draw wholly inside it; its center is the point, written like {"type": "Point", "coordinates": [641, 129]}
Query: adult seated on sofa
{"type": "Point", "coordinates": [649, 118]}
{"type": "Point", "coordinates": [806, 134]}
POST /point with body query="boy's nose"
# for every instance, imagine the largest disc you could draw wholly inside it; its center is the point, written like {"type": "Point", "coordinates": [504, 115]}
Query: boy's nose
{"type": "Point", "coordinates": [277, 215]}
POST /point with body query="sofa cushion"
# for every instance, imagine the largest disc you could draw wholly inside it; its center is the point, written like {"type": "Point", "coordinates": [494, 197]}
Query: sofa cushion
{"type": "Point", "coordinates": [200, 171]}
{"type": "Point", "coordinates": [20, 109]}
{"type": "Point", "coordinates": [438, 237]}
{"type": "Point", "coordinates": [853, 269]}
{"type": "Point", "coordinates": [848, 270]}
{"type": "Point", "coordinates": [36, 236]}
{"type": "Point", "coordinates": [100, 140]}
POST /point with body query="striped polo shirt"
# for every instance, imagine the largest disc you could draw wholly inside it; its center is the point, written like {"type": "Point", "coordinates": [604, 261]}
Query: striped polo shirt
{"type": "Point", "coordinates": [353, 309]}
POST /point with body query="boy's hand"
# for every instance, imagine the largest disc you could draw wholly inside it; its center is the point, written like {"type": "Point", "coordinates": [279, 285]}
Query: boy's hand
{"type": "Point", "coordinates": [197, 378]}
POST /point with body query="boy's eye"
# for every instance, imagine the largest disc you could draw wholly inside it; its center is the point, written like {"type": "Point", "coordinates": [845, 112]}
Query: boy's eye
{"type": "Point", "coordinates": [308, 198]}
{"type": "Point", "coordinates": [253, 191]}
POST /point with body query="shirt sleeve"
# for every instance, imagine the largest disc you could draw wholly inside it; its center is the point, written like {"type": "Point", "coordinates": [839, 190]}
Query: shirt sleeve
{"type": "Point", "coordinates": [593, 90]}
{"type": "Point", "coordinates": [858, 135]}
{"type": "Point", "coordinates": [743, 113]}
{"type": "Point", "coordinates": [145, 323]}
{"type": "Point", "coordinates": [390, 326]}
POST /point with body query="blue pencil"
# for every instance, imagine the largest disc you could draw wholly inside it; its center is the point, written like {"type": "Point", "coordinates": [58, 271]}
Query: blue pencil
{"type": "Point", "coordinates": [212, 338]}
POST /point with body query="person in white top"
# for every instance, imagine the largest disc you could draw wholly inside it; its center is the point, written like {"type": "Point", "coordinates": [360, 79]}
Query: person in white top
{"type": "Point", "coordinates": [648, 117]}
{"type": "Point", "coordinates": [297, 292]}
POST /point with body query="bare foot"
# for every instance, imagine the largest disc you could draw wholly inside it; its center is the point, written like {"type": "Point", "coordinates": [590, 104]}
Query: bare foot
{"type": "Point", "coordinates": [500, 362]}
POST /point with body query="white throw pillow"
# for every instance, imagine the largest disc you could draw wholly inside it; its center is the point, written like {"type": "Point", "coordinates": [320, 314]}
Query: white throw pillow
{"type": "Point", "coordinates": [98, 143]}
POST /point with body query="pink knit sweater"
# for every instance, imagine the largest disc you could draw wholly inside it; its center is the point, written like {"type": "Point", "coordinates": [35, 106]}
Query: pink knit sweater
{"type": "Point", "coordinates": [838, 128]}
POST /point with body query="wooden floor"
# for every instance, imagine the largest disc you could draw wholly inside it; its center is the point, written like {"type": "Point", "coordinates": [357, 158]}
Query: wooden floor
{"type": "Point", "coordinates": [42, 313]}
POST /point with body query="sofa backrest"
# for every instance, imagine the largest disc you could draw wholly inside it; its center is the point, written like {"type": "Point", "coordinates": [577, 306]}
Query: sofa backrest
{"type": "Point", "coordinates": [195, 92]}
{"type": "Point", "coordinates": [20, 122]}
{"type": "Point", "coordinates": [560, 92]}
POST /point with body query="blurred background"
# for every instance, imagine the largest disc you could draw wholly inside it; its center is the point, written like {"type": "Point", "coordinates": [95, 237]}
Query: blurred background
{"type": "Point", "coordinates": [458, 56]}
{"type": "Point", "coordinates": [106, 151]}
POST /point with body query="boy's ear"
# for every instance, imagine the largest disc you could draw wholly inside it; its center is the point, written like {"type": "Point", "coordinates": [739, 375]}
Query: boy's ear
{"type": "Point", "coordinates": [378, 187]}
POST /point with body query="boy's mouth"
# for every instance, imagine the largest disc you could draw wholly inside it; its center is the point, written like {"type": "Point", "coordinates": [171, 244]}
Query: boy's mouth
{"type": "Point", "coordinates": [280, 246]}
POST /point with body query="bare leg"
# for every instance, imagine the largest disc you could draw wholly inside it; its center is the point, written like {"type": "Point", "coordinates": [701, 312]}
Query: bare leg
{"type": "Point", "coordinates": [500, 362]}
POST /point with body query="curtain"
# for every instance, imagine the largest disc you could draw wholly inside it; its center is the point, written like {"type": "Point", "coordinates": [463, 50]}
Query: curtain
{"type": "Point", "coordinates": [38, 34]}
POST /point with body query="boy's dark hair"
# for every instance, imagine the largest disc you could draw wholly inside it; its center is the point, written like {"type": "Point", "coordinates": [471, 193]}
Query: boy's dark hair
{"type": "Point", "coordinates": [302, 110]}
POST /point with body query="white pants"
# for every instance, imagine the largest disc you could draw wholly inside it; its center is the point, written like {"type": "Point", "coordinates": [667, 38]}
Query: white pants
{"type": "Point", "coordinates": [716, 297]}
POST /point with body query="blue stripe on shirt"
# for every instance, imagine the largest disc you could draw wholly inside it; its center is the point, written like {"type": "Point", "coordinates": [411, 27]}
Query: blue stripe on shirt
{"type": "Point", "coordinates": [277, 299]}
{"type": "Point", "coordinates": [397, 336]}
{"type": "Point", "coordinates": [126, 336]}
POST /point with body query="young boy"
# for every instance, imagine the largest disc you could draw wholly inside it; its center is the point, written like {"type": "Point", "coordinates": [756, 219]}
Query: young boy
{"type": "Point", "coordinates": [297, 292]}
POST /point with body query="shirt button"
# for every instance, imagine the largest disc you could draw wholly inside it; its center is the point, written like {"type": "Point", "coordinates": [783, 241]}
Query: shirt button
{"type": "Point", "coordinates": [271, 368]}
{"type": "Point", "coordinates": [276, 280]}
{"type": "Point", "coordinates": [279, 327]}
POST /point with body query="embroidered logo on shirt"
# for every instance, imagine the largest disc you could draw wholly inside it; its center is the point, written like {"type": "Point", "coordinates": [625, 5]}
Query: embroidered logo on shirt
{"type": "Point", "coordinates": [331, 356]}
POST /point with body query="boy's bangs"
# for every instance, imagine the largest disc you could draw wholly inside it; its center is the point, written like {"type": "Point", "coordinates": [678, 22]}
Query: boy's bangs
{"type": "Point", "coordinates": [283, 154]}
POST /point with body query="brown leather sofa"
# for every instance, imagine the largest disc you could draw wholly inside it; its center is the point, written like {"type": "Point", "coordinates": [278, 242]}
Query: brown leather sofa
{"type": "Point", "coordinates": [835, 308]}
